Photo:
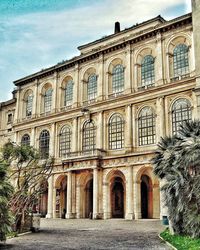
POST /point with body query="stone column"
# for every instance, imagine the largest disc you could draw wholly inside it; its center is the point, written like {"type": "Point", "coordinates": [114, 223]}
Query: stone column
{"type": "Point", "coordinates": [134, 127]}
{"type": "Point", "coordinates": [54, 97]}
{"type": "Point", "coordinates": [76, 86]}
{"type": "Point", "coordinates": [100, 86]}
{"type": "Point", "coordinates": [95, 194]}
{"type": "Point", "coordinates": [16, 117]}
{"type": "Point", "coordinates": [127, 84]}
{"type": "Point", "coordinates": [50, 198]}
{"type": "Point", "coordinates": [100, 131]}
{"type": "Point", "coordinates": [137, 200]}
{"type": "Point", "coordinates": [130, 213]}
{"type": "Point", "coordinates": [32, 142]}
{"type": "Point", "coordinates": [160, 119]}
{"type": "Point", "coordinates": [69, 195]}
{"type": "Point", "coordinates": [156, 201]}
{"type": "Point", "coordinates": [35, 99]}
{"type": "Point", "coordinates": [106, 214]}
{"type": "Point", "coordinates": [54, 202]}
{"type": "Point", "coordinates": [78, 202]}
{"type": "Point", "coordinates": [128, 129]}
{"type": "Point", "coordinates": [52, 140]}
{"type": "Point", "coordinates": [158, 61]}
{"type": "Point", "coordinates": [74, 134]}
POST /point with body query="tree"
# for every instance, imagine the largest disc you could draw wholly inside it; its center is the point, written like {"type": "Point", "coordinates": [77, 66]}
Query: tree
{"type": "Point", "coordinates": [177, 162]}
{"type": "Point", "coordinates": [6, 191]}
{"type": "Point", "coordinates": [28, 172]}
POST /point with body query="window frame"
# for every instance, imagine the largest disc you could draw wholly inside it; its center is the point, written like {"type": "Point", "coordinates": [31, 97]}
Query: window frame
{"type": "Point", "coordinates": [118, 79]}
{"type": "Point", "coordinates": [65, 141]}
{"type": "Point", "coordinates": [116, 132]}
{"type": "Point", "coordinates": [44, 142]}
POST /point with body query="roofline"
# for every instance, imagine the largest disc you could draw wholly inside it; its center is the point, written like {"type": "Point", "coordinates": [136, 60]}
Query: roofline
{"type": "Point", "coordinates": [160, 18]}
{"type": "Point", "coordinates": [6, 103]}
{"type": "Point", "coordinates": [92, 55]}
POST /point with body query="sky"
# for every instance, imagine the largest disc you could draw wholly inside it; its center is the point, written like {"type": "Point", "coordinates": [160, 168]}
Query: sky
{"type": "Point", "coordinates": [37, 34]}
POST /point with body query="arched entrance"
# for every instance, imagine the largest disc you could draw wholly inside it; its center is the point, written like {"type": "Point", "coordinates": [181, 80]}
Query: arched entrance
{"type": "Point", "coordinates": [146, 197]}
{"type": "Point", "coordinates": [117, 198]}
{"type": "Point", "coordinates": [43, 200]}
{"type": "Point", "coordinates": [61, 197]}
{"type": "Point", "coordinates": [89, 199]}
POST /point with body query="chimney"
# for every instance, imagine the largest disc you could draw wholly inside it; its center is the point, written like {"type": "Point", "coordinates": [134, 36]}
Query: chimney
{"type": "Point", "coordinates": [117, 27]}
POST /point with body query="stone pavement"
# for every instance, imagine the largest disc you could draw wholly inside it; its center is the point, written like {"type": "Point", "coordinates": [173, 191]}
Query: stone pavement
{"type": "Point", "coordinates": [91, 234]}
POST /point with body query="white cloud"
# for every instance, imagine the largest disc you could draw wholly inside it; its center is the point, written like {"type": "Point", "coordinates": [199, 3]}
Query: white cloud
{"type": "Point", "coordinates": [38, 40]}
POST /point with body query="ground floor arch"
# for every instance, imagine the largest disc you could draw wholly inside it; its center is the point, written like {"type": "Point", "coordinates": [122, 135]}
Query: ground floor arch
{"type": "Point", "coordinates": [43, 199]}
{"type": "Point", "coordinates": [117, 198]}
{"type": "Point", "coordinates": [89, 199]}
{"type": "Point", "coordinates": [146, 197]}
{"type": "Point", "coordinates": [61, 196]}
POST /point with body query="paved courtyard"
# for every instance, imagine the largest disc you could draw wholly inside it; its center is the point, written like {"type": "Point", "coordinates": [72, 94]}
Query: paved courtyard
{"type": "Point", "coordinates": [89, 234]}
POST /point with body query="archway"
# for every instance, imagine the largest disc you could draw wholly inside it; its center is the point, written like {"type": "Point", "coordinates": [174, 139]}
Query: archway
{"type": "Point", "coordinates": [146, 197]}
{"type": "Point", "coordinates": [89, 199]}
{"type": "Point", "coordinates": [61, 197]}
{"type": "Point", "coordinates": [117, 198]}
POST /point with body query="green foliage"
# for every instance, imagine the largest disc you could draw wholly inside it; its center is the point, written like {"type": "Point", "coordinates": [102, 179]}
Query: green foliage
{"type": "Point", "coordinates": [177, 162]}
{"type": "Point", "coordinates": [181, 242]}
{"type": "Point", "coordinates": [28, 172]}
{"type": "Point", "coordinates": [6, 191]}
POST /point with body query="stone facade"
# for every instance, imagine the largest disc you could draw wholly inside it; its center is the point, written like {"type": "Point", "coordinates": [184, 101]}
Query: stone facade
{"type": "Point", "coordinates": [103, 112]}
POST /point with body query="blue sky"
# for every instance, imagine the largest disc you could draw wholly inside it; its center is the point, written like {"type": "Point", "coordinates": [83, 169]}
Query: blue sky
{"type": "Point", "coordinates": [36, 34]}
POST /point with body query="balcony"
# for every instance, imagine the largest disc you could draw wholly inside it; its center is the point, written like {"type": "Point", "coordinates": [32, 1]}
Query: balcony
{"type": "Point", "coordinates": [83, 155]}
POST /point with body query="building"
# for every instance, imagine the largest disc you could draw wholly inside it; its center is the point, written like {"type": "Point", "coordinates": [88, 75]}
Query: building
{"type": "Point", "coordinates": [101, 114]}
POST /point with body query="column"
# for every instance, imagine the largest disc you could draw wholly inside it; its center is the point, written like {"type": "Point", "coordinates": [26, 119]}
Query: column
{"type": "Point", "coordinates": [54, 87]}
{"type": "Point", "coordinates": [134, 127]}
{"type": "Point", "coordinates": [128, 70]}
{"type": "Point", "coordinates": [50, 198]}
{"type": "Point", "coordinates": [130, 213]}
{"type": "Point", "coordinates": [54, 202]}
{"type": "Point", "coordinates": [35, 99]}
{"type": "Point", "coordinates": [16, 118]}
{"type": "Point", "coordinates": [160, 119]}
{"type": "Point", "coordinates": [106, 214]}
{"type": "Point", "coordinates": [78, 201]}
{"type": "Point", "coordinates": [32, 142]}
{"type": "Point", "coordinates": [137, 200]}
{"type": "Point", "coordinates": [69, 195]}
{"type": "Point", "coordinates": [100, 81]}
{"type": "Point", "coordinates": [100, 131]}
{"type": "Point", "coordinates": [159, 61]}
{"type": "Point", "coordinates": [74, 134]}
{"type": "Point", "coordinates": [128, 130]}
{"type": "Point", "coordinates": [52, 140]}
{"type": "Point", "coordinates": [156, 201]}
{"type": "Point", "coordinates": [95, 194]}
{"type": "Point", "coordinates": [76, 86]}
{"type": "Point", "coordinates": [136, 82]}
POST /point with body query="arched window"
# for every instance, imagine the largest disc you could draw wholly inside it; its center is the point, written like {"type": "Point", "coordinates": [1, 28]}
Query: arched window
{"type": "Point", "coordinates": [147, 71]}
{"type": "Point", "coordinates": [181, 112]}
{"type": "Point", "coordinates": [68, 93]}
{"type": "Point", "coordinates": [25, 141]}
{"type": "Point", "coordinates": [116, 132]}
{"type": "Point", "coordinates": [44, 144]}
{"type": "Point", "coordinates": [29, 105]}
{"type": "Point", "coordinates": [48, 100]}
{"type": "Point", "coordinates": [65, 141]}
{"type": "Point", "coordinates": [92, 87]}
{"type": "Point", "coordinates": [89, 136]}
{"type": "Point", "coordinates": [181, 62]}
{"type": "Point", "coordinates": [118, 79]}
{"type": "Point", "coordinates": [146, 126]}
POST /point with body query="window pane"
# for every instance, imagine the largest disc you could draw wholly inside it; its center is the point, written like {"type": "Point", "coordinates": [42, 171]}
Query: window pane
{"type": "Point", "coordinates": [92, 87]}
{"type": "Point", "coordinates": [65, 141]}
{"type": "Point", "coordinates": [48, 100]}
{"type": "Point", "coordinates": [181, 62]}
{"type": "Point", "coordinates": [181, 112]}
{"type": "Point", "coordinates": [116, 132]}
{"type": "Point", "coordinates": [146, 126]}
{"type": "Point", "coordinates": [29, 105]}
{"type": "Point", "coordinates": [44, 144]}
{"type": "Point", "coordinates": [25, 140]}
{"type": "Point", "coordinates": [89, 136]}
{"type": "Point", "coordinates": [147, 70]}
{"type": "Point", "coordinates": [118, 79]}
{"type": "Point", "coordinates": [68, 93]}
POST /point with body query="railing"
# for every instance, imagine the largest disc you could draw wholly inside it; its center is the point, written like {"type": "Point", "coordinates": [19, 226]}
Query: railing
{"type": "Point", "coordinates": [180, 77]}
{"type": "Point", "coordinates": [114, 95]}
{"type": "Point", "coordinates": [140, 88]}
{"type": "Point", "coordinates": [78, 154]}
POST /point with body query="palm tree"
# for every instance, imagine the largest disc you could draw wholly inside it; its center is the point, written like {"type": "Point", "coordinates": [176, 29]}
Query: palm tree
{"type": "Point", "coordinates": [177, 161]}
{"type": "Point", "coordinates": [6, 191]}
